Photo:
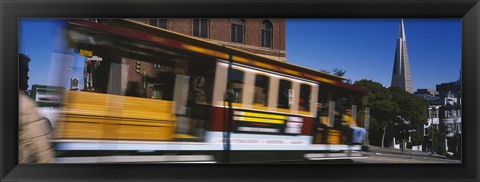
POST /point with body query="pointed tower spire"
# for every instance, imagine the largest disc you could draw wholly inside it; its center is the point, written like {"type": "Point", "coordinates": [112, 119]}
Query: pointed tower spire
{"type": "Point", "coordinates": [401, 68]}
{"type": "Point", "coordinates": [401, 31]}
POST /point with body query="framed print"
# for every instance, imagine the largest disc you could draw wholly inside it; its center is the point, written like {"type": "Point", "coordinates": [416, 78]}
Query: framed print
{"type": "Point", "coordinates": [239, 91]}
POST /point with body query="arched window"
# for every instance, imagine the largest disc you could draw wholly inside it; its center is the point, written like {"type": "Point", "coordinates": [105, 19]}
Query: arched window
{"type": "Point", "coordinates": [267, 30]}
{"type": "Point", "coordinates": [237, 30]}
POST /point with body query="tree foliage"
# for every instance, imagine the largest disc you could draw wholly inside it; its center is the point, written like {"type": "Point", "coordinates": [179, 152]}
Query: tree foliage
{"type": "Point", "coordinates": [438, 139]}
{"type": "Point", "coordinates": [339, 72]}
{"type": "Point", "coordinates": [380, 100]}
{"type": "Point", "coordinates": [413, 109]}
{"type": "Point", "coordinates": [417, 138]}
{"type": "Point", "coordinates": [393, 105]}
{"type": "Point", "coordinates": [382, 106]}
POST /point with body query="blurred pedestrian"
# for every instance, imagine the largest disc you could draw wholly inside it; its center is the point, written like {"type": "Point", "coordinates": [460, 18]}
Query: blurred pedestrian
{"type": "Point", "coordinates": [34, 133]}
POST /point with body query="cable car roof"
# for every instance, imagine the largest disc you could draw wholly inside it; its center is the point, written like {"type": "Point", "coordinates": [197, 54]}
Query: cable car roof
{"type": "Point", "coordinates": [159, 36]}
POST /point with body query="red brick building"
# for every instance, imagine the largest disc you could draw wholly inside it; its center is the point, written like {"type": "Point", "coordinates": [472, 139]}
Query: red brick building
{"type": "Point", "coordinates": [264, 37]}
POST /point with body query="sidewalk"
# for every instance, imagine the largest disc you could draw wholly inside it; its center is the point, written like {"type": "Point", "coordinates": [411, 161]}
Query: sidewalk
{"type": "Point", "coordinates": [375, 149]}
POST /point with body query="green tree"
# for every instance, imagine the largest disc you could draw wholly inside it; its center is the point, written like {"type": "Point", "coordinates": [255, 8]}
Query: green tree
{"type": "Point", "coordinates": [339, 72]}
{"type": "Point", "coordinates": [439, 139]}
{"type": "Point", "coordinates": [413, 109]}
{"type": "Point", "coordinates": [324, 71]}
{"type": "Point", "coordinates": [417, 138]}
{"type": "Point", "coordinates": [383, 108]}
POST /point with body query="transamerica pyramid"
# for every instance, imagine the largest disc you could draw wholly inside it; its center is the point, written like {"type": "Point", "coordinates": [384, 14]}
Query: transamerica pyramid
{"type": "Point", "coordinates": [401, 68]}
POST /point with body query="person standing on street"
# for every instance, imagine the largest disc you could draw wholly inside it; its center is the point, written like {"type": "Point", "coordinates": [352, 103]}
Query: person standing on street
{"type": "Point", "coordinates": [34, 133]}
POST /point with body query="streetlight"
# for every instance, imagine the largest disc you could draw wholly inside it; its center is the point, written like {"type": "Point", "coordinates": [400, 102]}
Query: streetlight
{"type": "Point", "coordinates": [433, 143]}
{"type": "Point", "coordinates": [430, 109]}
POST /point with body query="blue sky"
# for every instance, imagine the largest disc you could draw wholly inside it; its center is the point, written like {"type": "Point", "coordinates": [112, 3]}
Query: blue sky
{"type": "Point", "coordinates": [365, 48]}
{"type": "Point", "coordinates": [37, 41]}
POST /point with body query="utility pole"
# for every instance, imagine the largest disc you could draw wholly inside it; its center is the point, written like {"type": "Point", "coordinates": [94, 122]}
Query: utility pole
{"type": "Point", "coordinates": [227, 125]}
{"type": "Point", "coordinates": [432, 132]}
{"type": "Point", "coordinates": [143, 74]}
{"type": "Point", "coordinates": [367, 125]}
{"type": "Point", "coordinates": [144, 82]}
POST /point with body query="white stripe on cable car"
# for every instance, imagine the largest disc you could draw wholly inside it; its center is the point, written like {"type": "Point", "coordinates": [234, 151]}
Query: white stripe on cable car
{"type": "Point", "coordinates": [128, 159]}
{"type": "Point", "coordinates": [268, 111]}
{"type": "Point", "coordinates": [214, 142]}
{"type": "Point", "coordinates": [110, 146]}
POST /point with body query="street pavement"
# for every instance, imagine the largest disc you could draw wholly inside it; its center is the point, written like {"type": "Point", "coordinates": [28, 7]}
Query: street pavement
{"type": "Point", "coordinates": [388, 155]}
{"type": "Point", "coordinates": [373, 155]}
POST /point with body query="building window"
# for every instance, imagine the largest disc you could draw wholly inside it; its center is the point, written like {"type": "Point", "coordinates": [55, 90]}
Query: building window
{"type": "Point", "coordinates": [449, 127]}
{"type": "Point", "coordinates": [93, 20]}
{"type": "Point", "coordinates": [163, 67]}
{"type": "Point", "coordinates": [237, 30]}
{"type": "Point", "coordinates": [200, 28]}
{"type": "Point", "coordinates": [449, 114]}
{"type": "Point", "coordinates": [261, 90]}
{"type": "Point", "coordinates": [267, 30]}
{"type": "Point", "coordinates": [157, 92]}
{"type": "Point", "coordinates": [304, 101]}
{"type": "Point", "coordinates": [235, 85]}
{"type": "Point", "coordinates": [159, 22]}
{"type": "Point", "coordinates": [285, 94]}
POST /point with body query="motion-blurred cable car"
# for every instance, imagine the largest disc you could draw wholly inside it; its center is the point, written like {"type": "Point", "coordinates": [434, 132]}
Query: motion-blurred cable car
{"type": "Point", "coordinates": [275, 106]}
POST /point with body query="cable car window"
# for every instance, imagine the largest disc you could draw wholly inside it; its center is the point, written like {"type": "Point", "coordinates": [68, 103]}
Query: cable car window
{"type": "Point", "coordinates": [285, 94]}
{"type": "Point", "coordinates": [357, 100]}
{"type": "Point", "coordinates": [341, 109]}
{"type": "Point", "coordinates": [304, 101]}
{"type": "Point", "coordinates": [235, 84]}
{"type": "Point", "coordinates": [261, 90]}
{"type": "Point", "coordinates": [322, 107]}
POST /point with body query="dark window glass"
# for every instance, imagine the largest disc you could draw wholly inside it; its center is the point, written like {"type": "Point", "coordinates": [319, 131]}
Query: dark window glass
{"type": "Point", "coordinates": [235, 84]}
{"type": "Point", "coordinates": [237, 30]}
{"type": "Point", "coordinates": [284, 91]}
{"type": "Point", "coordinates": [267, 29]}
{"type": "Point", "coordinates": [341, 108]}
{"type": "Point", "coordinates": [162, 23]}
{"type": "Point", "coordinates": [196, 27]}
{"type": "Point", "coordinates": [322, 107]}
{"type": "Point", "coordinates": [304, 101]}
{"type": "Point", "coordinates": [261, 90]}
{"type": "Point", "coordinates": [200, 28]}
{"type": "Point", "coordinates": [359, 112]}
{"type": "Point", "coordinates": [153, 22]}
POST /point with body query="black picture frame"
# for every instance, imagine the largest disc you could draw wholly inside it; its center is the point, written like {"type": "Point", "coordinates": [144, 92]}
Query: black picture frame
{"type": "Point", "coordinates": [11, 11]}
